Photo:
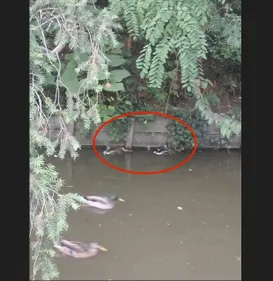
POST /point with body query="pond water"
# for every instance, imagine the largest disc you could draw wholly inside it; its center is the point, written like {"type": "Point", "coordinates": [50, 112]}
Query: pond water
{"type": "Point", "coordinates": [185, 224]}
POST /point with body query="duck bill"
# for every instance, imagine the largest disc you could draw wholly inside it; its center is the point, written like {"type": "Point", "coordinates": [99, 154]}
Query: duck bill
{"type": "Point", "coordinates": [103, 249]}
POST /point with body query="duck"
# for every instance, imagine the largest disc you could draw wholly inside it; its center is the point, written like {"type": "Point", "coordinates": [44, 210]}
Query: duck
{"type": "Point", "coordinates": [79, 250]}
{"type": "Point", "coordinates": [164, 150]}
{"type": "Point", "coordinates": [116, 151]}
{"type": "Point", "coordinates": [179, 148]}
{"type": "Point", "coordinates": [101, 202]}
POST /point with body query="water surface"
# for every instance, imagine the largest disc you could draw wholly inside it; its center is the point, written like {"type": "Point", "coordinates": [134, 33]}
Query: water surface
{"type": "Point", "coordinates": [185, 224]}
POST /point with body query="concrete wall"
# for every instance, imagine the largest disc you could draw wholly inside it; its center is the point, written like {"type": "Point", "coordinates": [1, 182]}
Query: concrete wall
{"type": "Point", "coordinates": [153, 134]}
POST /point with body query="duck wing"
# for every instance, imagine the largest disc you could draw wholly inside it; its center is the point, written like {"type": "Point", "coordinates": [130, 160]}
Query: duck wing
{"type": "Point", "coordinates": [73, 245]}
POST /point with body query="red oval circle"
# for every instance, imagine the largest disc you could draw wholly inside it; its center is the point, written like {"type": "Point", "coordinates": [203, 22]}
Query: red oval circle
{"type": "Point", "coordinates": [145, 113]}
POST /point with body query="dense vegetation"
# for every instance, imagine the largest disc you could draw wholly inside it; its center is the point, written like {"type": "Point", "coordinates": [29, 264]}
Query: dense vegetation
{"type": "Point", "coordinates": [91, 60]}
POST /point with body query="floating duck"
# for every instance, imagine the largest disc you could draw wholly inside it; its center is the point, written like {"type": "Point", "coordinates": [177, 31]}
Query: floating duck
{"type": "Point", "coordinates": [101, 202]}
{"type": "Point", "coordinates": [79, 250]}
{"type": "Point", "coordinates": [116, 151]}
{"type": "Point", "coordinates": [164, 150]}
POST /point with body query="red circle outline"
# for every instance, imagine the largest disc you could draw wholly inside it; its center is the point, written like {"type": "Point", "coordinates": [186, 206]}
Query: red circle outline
{"type": "Point", "coordinates": [145, 113]}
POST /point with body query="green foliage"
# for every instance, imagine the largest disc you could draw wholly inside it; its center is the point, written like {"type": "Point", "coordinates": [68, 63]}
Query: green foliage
{"type": "Point", "coordinates": [213, 99]}
{"type": "Point", "coordinates": [118, 75]}
{"type": "Point", "coordinates": [109, 81]}
{"type": "Point", "coordinates": [225, 36]}
{"type": "Point", "coordinates": [116, 60]}
{"type": "Point", "coordinates": [236, 113]}
{"type": "Point", "coordinates": [118, 129]}
{"type": "Point", "coordinates": [179, 135]}
{"type": "Point", "coordinates": [112, 82]}
{"type": "Point", "coordinates": [48, 211]}
{"type": "Point", "coordinates": [60, 86]}
{"type": "Point", "coordinates": [229, 126]}
{"type": "Point", "coordinates": [186, 29]}
{"type": "Point", "coordinates": [115, 87]}
{"type": "Point", "coordinates": [224, 40]}
{"type": "Point", "coordinates": [69, 77]}
{"type": "Point", "coordinates": [168, 27]}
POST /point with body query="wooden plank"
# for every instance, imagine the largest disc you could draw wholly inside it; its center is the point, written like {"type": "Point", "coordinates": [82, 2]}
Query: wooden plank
{"type": "Point", "coordinates": [129, 141]}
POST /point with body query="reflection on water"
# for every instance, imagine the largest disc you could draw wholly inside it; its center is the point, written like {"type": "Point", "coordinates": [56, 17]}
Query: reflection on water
{"type": "Point", "coordinates": [185, 224]}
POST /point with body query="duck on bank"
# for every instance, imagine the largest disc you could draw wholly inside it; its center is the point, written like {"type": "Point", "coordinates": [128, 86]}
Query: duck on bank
{"type": "Point", "coordinates": [116, 151]}
{"type": "Point", "coordinates": [164, 150]}
{"type": "Point", "coordinates": [79, 250]}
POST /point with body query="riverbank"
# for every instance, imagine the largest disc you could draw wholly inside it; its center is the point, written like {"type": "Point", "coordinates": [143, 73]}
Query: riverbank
{"type": "Point", "coordinates": [152, 134]}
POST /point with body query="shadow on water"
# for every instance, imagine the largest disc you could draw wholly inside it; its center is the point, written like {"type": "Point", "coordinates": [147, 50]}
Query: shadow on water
{"type": "Point", "coordinates": [185, 224]}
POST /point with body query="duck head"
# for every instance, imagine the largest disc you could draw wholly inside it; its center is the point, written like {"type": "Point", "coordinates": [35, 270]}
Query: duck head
{"type": "Point", "coordinates": [107, 151]}
{"type": "Point", "coordinates": [95, 247]}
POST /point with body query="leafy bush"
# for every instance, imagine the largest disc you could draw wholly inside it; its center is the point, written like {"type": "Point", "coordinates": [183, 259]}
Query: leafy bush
{"type": "Point", "coordinates": [67, 43]}
{"type": "Point", "coordinates": [181, 29]}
